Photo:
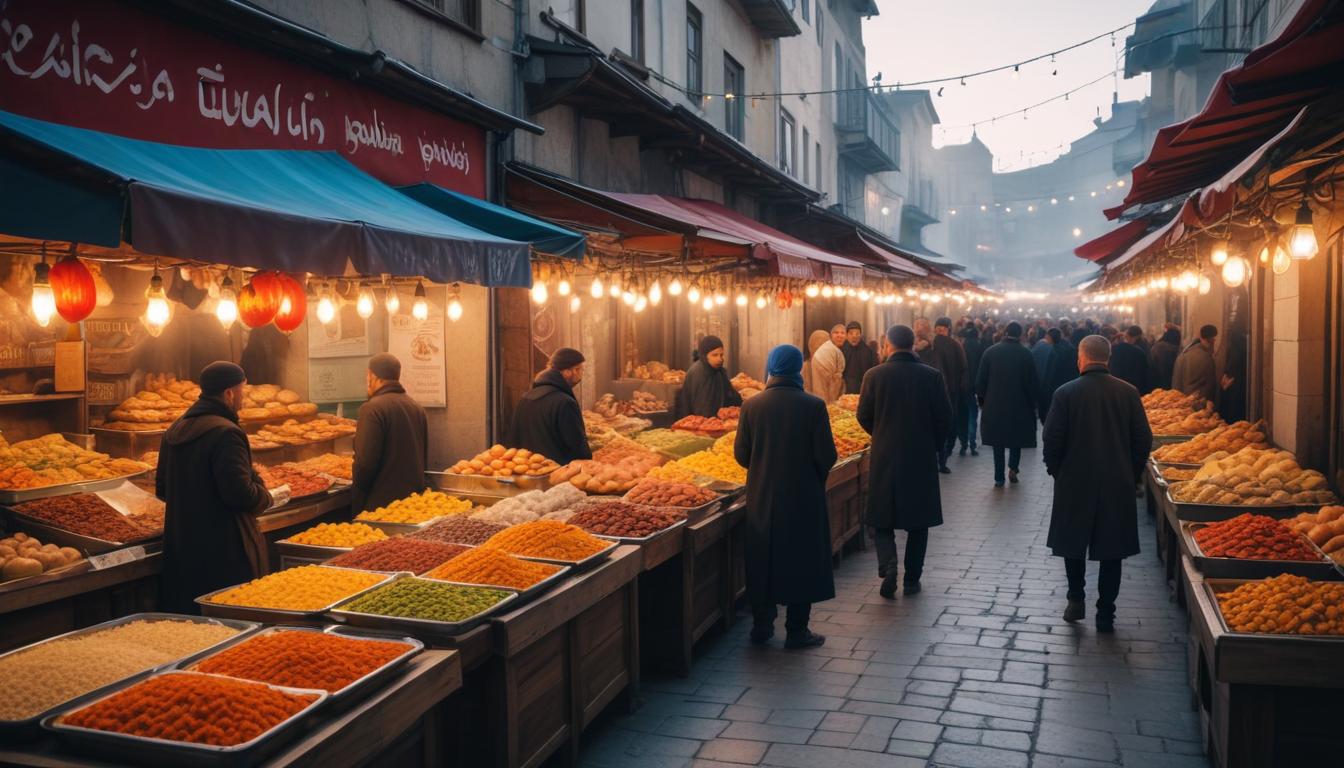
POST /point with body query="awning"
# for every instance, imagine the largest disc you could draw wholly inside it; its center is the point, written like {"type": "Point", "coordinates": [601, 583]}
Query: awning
{"type": "Point", "coordinates": [1247, 105]}
{"type": "Point", "coordinates": [288, 210]}
{"type": "Point", "coordinates": [1117, 239]}
{"type": "Point", "coordinates": [895, 261]}
{"type": "Point", "coordinates": [498, 220]}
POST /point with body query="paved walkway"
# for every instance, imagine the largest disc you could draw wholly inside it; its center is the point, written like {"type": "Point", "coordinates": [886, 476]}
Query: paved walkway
{"type": "Point", "coordinates": [978, 670]}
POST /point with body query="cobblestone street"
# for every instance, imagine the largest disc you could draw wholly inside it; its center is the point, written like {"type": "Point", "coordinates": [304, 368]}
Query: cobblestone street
{"type": "Point", "coordinates": [977, 670]}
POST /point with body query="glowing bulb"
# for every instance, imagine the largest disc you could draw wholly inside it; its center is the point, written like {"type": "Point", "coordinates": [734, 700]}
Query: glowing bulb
{"type": "Point", "coordinates": [693, 295]}
{"type": "Point", "coordinates": [760, 301]}
{"type": "Point", "coordinates": [827, 291]}
{"type": "Point", "coordinates": [707, 304]}
{"type": "Point", "coordinates": [539, 292]}
{"type": "Point", "coordinates": [574, 303]}
{"type": "Point", "coordinates": [596, 290]}
{"type": "Point", "coordinates": [674, 287]}
{"type": "Point", "coordinates": [1077, 232]}
{"type": "Point", "coordinates": [455, 309]}
{"type": "Point", "coordinates": [1302, 240]}
{"type": "Point", "coordinates": [1264, 255]}
{"type": "Point", "coordinates": [720, 299]}
{"type": "Point", "coordinates": [1205, 285]}
{"type": "Point", "coordinates": [614, 287]}
{"type": "Point", "coordinates": [741, 300]}
{"type": "Point", "coordinates": [812, 291]}
{"type": "Point", "coordinates": [641, 304]}
{"type": "Point", "coordinates": [326, 308]}
{"type": "Point", "coordinates": [1218, 256]}
{"type": "Point", "coordinates": [157, 311]}
{"type": "Point", "coordinates": [393, 300]}
{"type": "Point", "coordinates": [656, 293]}
{"type": "Point", "coordinates": [885, 210]}
{"type": "Point", "coordinates": [1189, 278]}
{"type": "Point", "coordinates": [1281, 261]}
{"type": "Point", "coordinates": [420, 308]}
{"type": "Point", "coordinates": [1054, 201]}
{"type": "Point", "coordinates": [1235, 272]}
{"type": "Point", "coordinates": [226, 311]}
{"type": "Point", "coordinates": [865, 295]}
{"type": "Point", "coordinates": [44, 300]}
{"type": "Point", "coordinates": [364, 303]}
{"type": "Point", "coordinates": [628, 298]}
{"type": "Point", "coordinates": [563, 287]}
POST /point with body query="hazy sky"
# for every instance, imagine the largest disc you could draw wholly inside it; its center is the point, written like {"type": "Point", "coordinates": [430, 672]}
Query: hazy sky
{"type": "Point", "coordinates": [922, 39]}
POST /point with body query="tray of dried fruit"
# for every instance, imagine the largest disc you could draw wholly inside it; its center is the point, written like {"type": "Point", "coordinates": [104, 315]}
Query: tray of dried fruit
{"type": "Point", "coordinates": [1214, 587]}
{"type": "Point", "coordinates": [146, 750]}
{"type": "Point", "coordinates": [693, 514]}
{"type": "Point", "coordinates": [29, 727]}
{"type": "Point", "coordinates": [1160, 469]}
{"type": "Point", "coordinates": [644, 539]}
{"type": "Point", "coordinates": [18, 496]}
{"type": "Point", "coordinates": [578, 566]}
{"type": "Point", "coordinates": [1212, 513]}
{"type": "Point", "coordinates": [423, 628]}
{"type": "Point", "coordinates": [89, 545]}
{"type": "Point", "coordinates": [281, 615]}
{"type": "Point", "coordinates": [1249, 568]}
{"type": "Point", "coordinates": [303, 484]}
{"type": "Point", "coordinates": [342, 697]}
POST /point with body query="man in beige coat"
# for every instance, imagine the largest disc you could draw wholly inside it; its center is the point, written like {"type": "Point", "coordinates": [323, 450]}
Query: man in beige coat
{"type": "Point", "coordinates": [825, 372]}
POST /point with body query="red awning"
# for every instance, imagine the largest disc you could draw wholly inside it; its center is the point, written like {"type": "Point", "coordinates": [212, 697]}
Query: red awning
{"type": "Point", "coordinates": [896, 261]}
{"type": "Point", "coordinates": [1116, 240]}
{"type": "Point", "coordinates": [1249, 104]}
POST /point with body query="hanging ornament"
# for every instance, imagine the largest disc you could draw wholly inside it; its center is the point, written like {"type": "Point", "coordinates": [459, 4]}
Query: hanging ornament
{"type": "Point", "coordinates": [293, 305]}
{"type": "Point", "coordinates": [260, 299]}
{"type": "Point", "coordinates": [72, 288]}
{"type": "Point", "coordinates": [226, 309]}
{"type": "Point", "coordinates": [44, 300]}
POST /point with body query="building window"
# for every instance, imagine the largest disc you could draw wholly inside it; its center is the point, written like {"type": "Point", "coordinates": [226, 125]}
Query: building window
{"type": "Point", "coordinates": [821, 26]}
{"type": "Point", "coordinates": [838, 78]}
{"type": "Point", "coordinates": [787, 162]}
{"type": "Point", "coordinates": [807, 154]}
{"type": "Point", "coordinates": [734, 85]}
{"type": "Point", "coordinates": [816, 157]}
{"type": "Point", "coordinates": [637, 30]}
{"type": "Point", "coordinates": [807, 10]}
{"type": "Point", "coordinates": [464, 12]}
{"type": "Point", "coordinates": [695, 52]}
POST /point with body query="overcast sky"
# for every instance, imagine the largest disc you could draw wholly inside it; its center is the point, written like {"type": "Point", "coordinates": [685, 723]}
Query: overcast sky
{"type": "Point", "coordinates": [922, 39]}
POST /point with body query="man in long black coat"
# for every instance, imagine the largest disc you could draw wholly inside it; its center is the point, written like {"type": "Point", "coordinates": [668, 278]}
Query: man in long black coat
{"type": "Point", "coordinates": [1096, 441]}
{"type": "Point", "coordinates": [967, 421]}
{"type": "Point", "coordinates": [1007, 388]}
{"type": "Point", "coordinates": [391, 439]}
{"type": "Point", "coordinates": [211, 495]}
{"type": "Point", "coordinates": [1060, 369]}
{"type": "Point", "coordinates": [548, 419]}
{"type": "Point", "coordinates": [1129, 362]}
{"type": "Point", "coordinates": [904, 406]}
{"type": "Point", "coordinates": [784, 440]}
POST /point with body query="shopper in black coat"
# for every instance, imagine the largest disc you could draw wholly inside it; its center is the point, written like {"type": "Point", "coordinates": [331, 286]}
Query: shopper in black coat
{"type": "Point", "coordinates": [707, 387]}
{"type": "Point", "coordinates": [1096, 441]}
{"type": "Point", "coordinates": [969, 416]}
{"type": "Point", "coordinates": [859, 357]}
{"type": "Point", "coordinates": [1129, 362]}
{"type": "Point", "coordinates": [784, 440]}
{"type": "Point", "coordinates": [904, 406]}
{"type": "Point", "coordinates": [1162, 358]}
{"type": "Point", "coordinates": [1060, 369]}
{"type": "Point", "coordinates": [548, 419]}
{"type": "Point", "coordinates": [391, 440]}
{"type": "Point", "coordinates": [1007, 388]}
{"type": "Point", "coordinates": [211, 495]}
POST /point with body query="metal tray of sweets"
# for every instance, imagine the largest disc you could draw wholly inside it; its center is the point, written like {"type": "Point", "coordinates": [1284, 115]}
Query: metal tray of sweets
{"type": "Point", "coordinates": [693, 514]}
{"type": "Point", "coordinates": [29, 727]}
{"type": "Point", "coordinates": [426, 628]}
{"type": "Point", "coordinates": [339, 699]}
{"type": "Point", "coordinates": [145, 750]}
{"type": "Point", "coordinates": [1246, 568]}
{"type": "Point", "coordinates": [1158, 466]}
{"type": "Point", "coordinates": [280, 615]}
{"type": "Point", "coordinates": [1212, 513]}
{"type": "Point", "coordinates": [11, 496]}
{"type": "Point", "coordinates": [644, 539]}
{"type": "Point", "coordinates": [51, 534]}
{"type": "Point", "coordinates": [127, 443]}
{"type": "Point", "coordinates": [1216, 586]}
{"type": "Point", "coordinates": [487, 484]}
{"type": "Point", "coordinates": [577, 566]}
{"type": "Point", "coordinates": [399, 529]}
{"type": "Point", "coordinates": [287, 548]}
{"type": "Point", "coordinates": [524, 595]}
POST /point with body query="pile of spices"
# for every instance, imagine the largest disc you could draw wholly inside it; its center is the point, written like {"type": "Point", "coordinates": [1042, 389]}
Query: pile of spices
{"type": "Point", "coordinates": [1254, 537]}
{"type": "Point", "coordinates": [41, 677]}
{"type": "Point", "coordinates": [398, 554]}
{"type": "Point", "coordinates": [344, 535]}
{"type": "Point", "coordinates": [303, 659]}
{"type": "Point", "coordinates": [427, 600]}
{"type": "Point", "coordinates": [306, 588]}
{"type": "Point", "coordinates": [484, 565]}
{"type": "Point", "coordinates": [459, 530]}
{"type": "Point", "coordinates": [199, 709]}
{"type": "Point", "coordinates": [549, 539]}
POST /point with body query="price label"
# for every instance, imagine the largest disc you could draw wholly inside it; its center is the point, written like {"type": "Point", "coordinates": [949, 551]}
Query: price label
{"type": "Point", "coordinates": [116, 557]}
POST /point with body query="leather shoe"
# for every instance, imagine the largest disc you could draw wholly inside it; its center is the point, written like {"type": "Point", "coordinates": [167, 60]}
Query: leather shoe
{"type": "Point", "coordinates": [998, 483]}
{"type": "Point", "coordinates": [1075, 611]}
{"type": "Point", "coordinates": [888, 588]}
{"type": "Point", "coordinates": [1012, 475]}
{"type": "Point", "coordinates": [804, 639]}
{"type": "Point", "coordinates": [912, 588]}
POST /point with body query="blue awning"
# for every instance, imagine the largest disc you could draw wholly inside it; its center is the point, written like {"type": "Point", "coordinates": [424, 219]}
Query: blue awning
{"type": "Point", "coordinates": [500, 221]}
{"type": "Point", "coordinates": [289, 210]}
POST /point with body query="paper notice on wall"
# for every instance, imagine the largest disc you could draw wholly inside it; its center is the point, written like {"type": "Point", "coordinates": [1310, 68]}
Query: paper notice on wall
{"type": "Point", "coordinates": [419, 345]}
{"type": "Point", "coordinates": [347, 335]}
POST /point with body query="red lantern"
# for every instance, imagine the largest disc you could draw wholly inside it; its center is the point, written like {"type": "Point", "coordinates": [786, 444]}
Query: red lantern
{"type": "Point", "coordinates": [260, 299]}
{"type": "Point", "coordinates": [74, 290]}
{"type": "Point", "coordinates": [293, 304]}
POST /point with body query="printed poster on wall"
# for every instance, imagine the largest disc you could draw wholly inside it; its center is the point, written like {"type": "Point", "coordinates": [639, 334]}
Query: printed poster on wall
{"type": "Point", "coordinates": [419, 346]}
{"type": "Point", "coordinates": [347, 335]}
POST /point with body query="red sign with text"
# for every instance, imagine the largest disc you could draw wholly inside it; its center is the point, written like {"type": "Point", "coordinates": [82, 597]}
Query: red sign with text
{"type": "Point", "coordinates": [109, 67]}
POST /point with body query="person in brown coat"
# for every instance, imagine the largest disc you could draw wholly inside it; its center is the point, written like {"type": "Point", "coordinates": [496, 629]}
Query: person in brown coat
{"type": "Point", "coordinates": [1196, 372]}
{"type": "Point", "coordinates": [391, 439]}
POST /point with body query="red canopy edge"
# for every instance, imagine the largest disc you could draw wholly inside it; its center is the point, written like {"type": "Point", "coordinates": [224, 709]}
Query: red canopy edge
{"type": "Point", "coordinates": [1119, 238]}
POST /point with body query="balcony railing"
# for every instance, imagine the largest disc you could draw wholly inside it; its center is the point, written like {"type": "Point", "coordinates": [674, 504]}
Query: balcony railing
{"type": "Point", "coordinates": [867, 134]}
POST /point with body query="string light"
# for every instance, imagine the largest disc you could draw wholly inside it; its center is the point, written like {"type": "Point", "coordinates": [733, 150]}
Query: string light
{"type": "Point", "coordinates": [455, 303]}
{"type": "Point", "coordinates": [707, 304]}
{"type": "Point", "coordinates": [596, 290]}
{"type": "Point", "coordinates": [641, 304]}
{"type": "Point", "coordinates": [760, 301]}
{"type": "Point", "coordinates": [364, 303]}
{"type": "Point", "coordinates": [1302, 237]}
{"type": "Point", "coordinates": [44, 299]}
{"type": "Point", "coordinates": [1218, 256]}
{"type": "Point", "coordinates": [158, 312]}
{"type": "Point", "coordinates": [226, 310]}
{"type": "Point", "coordinates": [693, 295]}
{"type": "Point", "coordinates": [1235, 272]}
{"type": "Point", "coordinates": [393, 300]}
{"type": "Point", "coordinates": [539, 292]}
{"type": "Point", "coordinates": [563, 287]}
{"type": "Point", "coordinates": [326, 308]}
{"type": "Point", "coordinates": [656, 293]}
{"type": "Point", "coordinates": [574, 304]}
{"type": "Point", "coordinates": [1281, 261]}
{"type": "Point", "coordinates": [674, 288]}
{"type": "Point", "coordinates": [741, 299]}
{"type": "Point", "coordinates": [420, 307]}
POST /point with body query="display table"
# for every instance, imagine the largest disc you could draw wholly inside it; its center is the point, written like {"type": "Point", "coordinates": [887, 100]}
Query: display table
{"type": "Point", "coordinates": [844, 502]}
{"type": "Point", "coordinates": [396, 725]}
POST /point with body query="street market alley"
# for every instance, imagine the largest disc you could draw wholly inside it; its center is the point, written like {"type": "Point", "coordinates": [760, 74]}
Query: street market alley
{"type": "Point", "coordinates": [977, 670]}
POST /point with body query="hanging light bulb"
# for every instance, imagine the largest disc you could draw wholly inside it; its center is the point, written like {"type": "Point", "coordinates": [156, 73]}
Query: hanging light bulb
{"type": "Point", "coordinates": [1302, 237]}
{"type": "Point", "coordinates": [455, 303]}
{"type": "Point", "coordinates": [539, 292]}
{"type": "Point", "coordinates": [641, 304]}
{"type": "Point", "coordinates": [1235, 271]}
{"type": "Point", "coordinates": [628, 297]}
{"type": "Point", "coordinates": [1205, 285]}
{"type": "Point", "coordinates": [760, 301]}
{"type": "Point", "coordinates": [865, 295]}
{"type": "Point", "coordinates": [364, 303]}
{"type": "Point", "coordinates": [44, 299]}
{"type": "Point", "coordinates": [656, 293]}
{"type": "Point", "coordinates": [614, 286]}
{"type": "Point", "coordinates": [812, 291]}
{"type": "Point", "coordinates": [420, 308]}
{"type": "Point", "coordinates": [674, 288]}
{"type": "Point", "coordinates": [563, 287]}
{"type": "Point", "coordinates": [326, 308]}
{"type": "Point", "coordinates": [157, 311]}
{"type": "Point", "coordinates": [226, 311]}
{"type": "Point", "coordinates": [707, 304]}
{"type": "Point", "coordinates": [1218, 256]}
{"type": "Point", "coordinates": [1281, 261]}
{"type": "Point", "coordinates": [597, 290]}
{"type": "Point", "coordinates": [393, 300]}
{"type": "Point", "coordinates": [693, 295]}
{"type": "Point", "coordinates": [1264, 255]}
{"type": "Point", "coordinates": [741, 299]}
{"type": "Point", "coordinates": [720, 299]}
{"type": "Point", "coordinates": [827, 291]}
{"type": "Point", "coordinates": [574, 303]}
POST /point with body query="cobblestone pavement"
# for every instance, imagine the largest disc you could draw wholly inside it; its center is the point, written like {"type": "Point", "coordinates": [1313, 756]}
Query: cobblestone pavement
{"type": "Point", "coordinates": [977, 670]}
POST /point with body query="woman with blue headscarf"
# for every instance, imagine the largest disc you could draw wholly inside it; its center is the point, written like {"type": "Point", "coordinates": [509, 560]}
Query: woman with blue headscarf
{"type": "Point", "coordinates": [784, 440]}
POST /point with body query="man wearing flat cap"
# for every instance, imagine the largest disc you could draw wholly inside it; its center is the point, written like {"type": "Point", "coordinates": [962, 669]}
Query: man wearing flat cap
{"type": "Point", "coordinates": [391, 439]}
{"type": "Point", "coordinates": [548, 419]}
{"type": "Point", "coordinates": [212, 495]}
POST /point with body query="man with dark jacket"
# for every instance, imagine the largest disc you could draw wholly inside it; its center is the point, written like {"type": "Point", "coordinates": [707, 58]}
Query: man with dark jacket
{"type": "Point", "coordinates": [974, 345]}
{"type": "Point", "coordinates": [859, 357]}
{"type": "Point", "coordinates": [211, 495]}
{"type": "Point", "coordinates": [904, 406]}
{"type": "Point", "coordinates": [1128, 361]}
{"type": "Point", "coordinates": [949, 358]}
{"type": "Point", "coordinates": [391, 439]}
{"type": "Point", "coordinates": [1096, 441]}
{"type": "Point", "coordinates": [1061, 368]}
{"type": "Point", "coordinates": [1162, 358]}
{"type": "Point", "coordinates": [1007, 388]}
{"type": "Point", "coordinates": [1196, 372]}
{"type": "Point", "coordinates": [784, 440]}
{"type": "Point", "coordinates": [548, 419]}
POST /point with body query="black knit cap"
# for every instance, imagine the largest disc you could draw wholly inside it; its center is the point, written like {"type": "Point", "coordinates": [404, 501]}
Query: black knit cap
{"type": "Point", "coordinates": [565, 358]}
{"type": "Point", "coordinates": [219, 376]}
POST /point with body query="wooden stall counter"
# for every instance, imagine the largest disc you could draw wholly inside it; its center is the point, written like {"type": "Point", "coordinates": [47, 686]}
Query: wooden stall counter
{"type": "Point", "coordinates": [397, 725]}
